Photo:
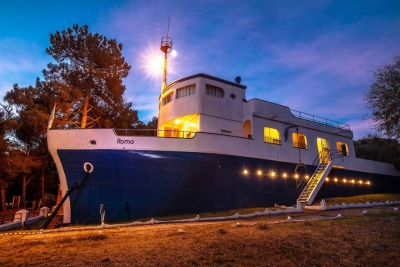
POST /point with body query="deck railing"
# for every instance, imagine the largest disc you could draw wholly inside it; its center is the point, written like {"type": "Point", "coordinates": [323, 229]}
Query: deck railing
{"type": "Point", "coordinates": [313, 118]}
{"type": "Point", "coordinates": [154, 132]}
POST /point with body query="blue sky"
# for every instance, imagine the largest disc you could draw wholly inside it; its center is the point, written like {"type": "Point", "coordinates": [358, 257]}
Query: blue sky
{"type": "Point", "coordinates": [313, 56]}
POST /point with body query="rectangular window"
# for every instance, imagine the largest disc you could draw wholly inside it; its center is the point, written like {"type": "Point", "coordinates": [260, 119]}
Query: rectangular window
{"type": "Point", "coordinates": [271, 135]}
{"type": "Point", "coordinates": [214, 91]}
{"type": "Point", "coordinates": [342, 148]}
{"type": "Point", "coordinates": [186, 91]}
{"type": "Point", "coordinates": [167, 99]}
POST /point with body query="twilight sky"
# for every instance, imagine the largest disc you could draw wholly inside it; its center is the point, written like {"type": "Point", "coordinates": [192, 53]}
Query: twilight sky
{"type": "Point", "coordinates": [313, 56]}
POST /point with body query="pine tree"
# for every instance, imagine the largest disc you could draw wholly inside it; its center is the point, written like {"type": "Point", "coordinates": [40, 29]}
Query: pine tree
{"type": "Point", "coordinates": [87, 79]}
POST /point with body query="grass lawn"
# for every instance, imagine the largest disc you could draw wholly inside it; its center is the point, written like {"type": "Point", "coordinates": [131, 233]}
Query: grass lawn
{"type": "Point", "coordinates": [356, 240]}
{"type": "Point", "coordinates": [362, 199]}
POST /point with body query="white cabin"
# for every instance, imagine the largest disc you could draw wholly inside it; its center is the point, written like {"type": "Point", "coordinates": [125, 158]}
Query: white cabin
{"type": "Point", "coordinates": [207, 104]}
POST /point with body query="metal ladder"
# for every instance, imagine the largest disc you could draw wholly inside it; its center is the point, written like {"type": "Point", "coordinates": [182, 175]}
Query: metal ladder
{"type": "Point", "coordinates": [315, 182]}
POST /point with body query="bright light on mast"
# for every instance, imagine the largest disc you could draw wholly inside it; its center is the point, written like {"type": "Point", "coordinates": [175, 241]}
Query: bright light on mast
{"type": "Point", "coordinates": [154, 64]}
{"type": "Point", "coordinates": [166, 47]}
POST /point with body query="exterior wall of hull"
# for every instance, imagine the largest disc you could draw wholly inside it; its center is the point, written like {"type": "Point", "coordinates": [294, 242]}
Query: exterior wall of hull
{"type": "Point", "coordinates": [136, 184]}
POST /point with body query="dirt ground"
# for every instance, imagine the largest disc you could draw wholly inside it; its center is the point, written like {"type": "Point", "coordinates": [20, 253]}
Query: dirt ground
{"type": "Point", "coordinates": [305, 215]}
{"type": "Point", "coordinates": [310, 238]}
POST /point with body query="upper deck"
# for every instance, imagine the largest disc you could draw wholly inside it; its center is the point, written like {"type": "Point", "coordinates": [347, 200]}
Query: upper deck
{"type": "Point", "coordinates": [209, 104]}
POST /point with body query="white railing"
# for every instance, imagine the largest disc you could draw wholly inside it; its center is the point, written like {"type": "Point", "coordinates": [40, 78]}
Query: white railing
{"type": "Point", "coordinates": [154, 132]}
{"type": "Point", "coordinates": [313, 118]}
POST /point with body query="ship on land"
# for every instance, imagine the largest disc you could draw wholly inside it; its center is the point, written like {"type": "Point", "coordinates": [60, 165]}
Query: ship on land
{"type": "Point", "coordinates": [213, 150]}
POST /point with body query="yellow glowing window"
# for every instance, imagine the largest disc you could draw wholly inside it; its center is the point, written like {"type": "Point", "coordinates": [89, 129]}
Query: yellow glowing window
{"type": "Point", "coordinates": [299, 140]}
{"type": "Point", "coordinates": [342, 148]}
{"type": "Point", "coordinates": [271, 135]}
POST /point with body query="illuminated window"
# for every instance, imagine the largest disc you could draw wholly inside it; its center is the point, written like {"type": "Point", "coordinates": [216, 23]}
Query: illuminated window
{"type": "Point", "coordinates": [214, 91]}
{"type": "Point", "coordinates": [342, 148]}
{"type": "Point", "coordinates": [323, 150]}
{"type": "Point", "coordinates": [186, 91]}
{"type": "Point", "coordinates": [167, 99]}
{"type": "Point", "coordinates": [271, 135]}
{"type": "Point", "coordinates": [299, 140]}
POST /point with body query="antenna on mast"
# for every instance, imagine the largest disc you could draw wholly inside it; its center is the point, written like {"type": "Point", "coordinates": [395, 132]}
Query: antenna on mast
{"type": "Point", "coordinates": [166, 47]}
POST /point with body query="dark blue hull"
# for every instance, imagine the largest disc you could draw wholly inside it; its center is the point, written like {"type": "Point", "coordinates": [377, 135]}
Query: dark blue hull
{"type": "Point", "coordinates": [148, 184]}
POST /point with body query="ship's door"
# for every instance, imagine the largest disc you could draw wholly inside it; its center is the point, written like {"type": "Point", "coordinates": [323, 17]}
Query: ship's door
{"type": "Point", "coordinates": [247, 131]}
{"type": "Point", "coordinates": [323, 150]}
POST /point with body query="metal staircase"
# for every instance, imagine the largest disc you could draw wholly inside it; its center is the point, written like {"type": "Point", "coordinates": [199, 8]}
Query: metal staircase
{"type": "Point", "coordinates": [315, 182]}
{"type": "Point", "coordinates": [311, 189]}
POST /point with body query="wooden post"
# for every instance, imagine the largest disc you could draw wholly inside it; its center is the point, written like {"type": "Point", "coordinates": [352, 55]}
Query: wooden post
{"type": "Point", "coordinates": [23, 195]}
{"type": "Point", "coordinates": [3, 199]}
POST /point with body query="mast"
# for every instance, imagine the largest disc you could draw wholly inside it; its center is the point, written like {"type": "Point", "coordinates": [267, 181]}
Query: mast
{"type": "Point", "coordinates": [166, 47]}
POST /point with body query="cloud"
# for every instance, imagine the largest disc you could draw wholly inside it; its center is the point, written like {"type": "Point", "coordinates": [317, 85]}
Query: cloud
{"type": "Point", "coordinates": [313, 57]}
{"type": "Point", "coordinates": [331, 55]}
{"type": "Point", "coordinates": [326, 74]}
{"type": "Point", "coordinates": [361, 128]}
{"type": "Point", "coordinates": [20, 62]}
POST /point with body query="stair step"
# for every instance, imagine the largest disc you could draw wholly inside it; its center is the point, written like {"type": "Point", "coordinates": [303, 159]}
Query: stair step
{"type": "Point", "coordinates": [313, 182]}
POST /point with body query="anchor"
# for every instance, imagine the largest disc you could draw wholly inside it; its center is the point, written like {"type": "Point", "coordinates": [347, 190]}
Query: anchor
{"type": "Point", "coordinates": [88, 168]}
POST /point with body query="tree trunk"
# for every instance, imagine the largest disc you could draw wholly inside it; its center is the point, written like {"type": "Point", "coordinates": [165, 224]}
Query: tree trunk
{"type": "Point", "coordinates": [43, 194]}
{"type": "Point", "coordinates": [3, 199]}
{"type": "Point", "coordinates": [85, 112]}
{"type": "Point", "coordinates": [23, 196]}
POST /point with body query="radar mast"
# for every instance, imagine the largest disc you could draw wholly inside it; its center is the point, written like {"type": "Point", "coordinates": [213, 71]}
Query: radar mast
{"type": "Point", "coordinates": [166, 47]}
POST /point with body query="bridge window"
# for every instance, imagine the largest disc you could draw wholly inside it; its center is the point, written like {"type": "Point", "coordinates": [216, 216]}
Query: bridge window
{"type": "Point", "coordinates": [299, 140]}
{"type": "Point", "coordinates": [186, 91]}
{"type": "Point", "coordinates": [214, 91]}
{"type": "Point", "coordinates": [167, 99]}
{"type": "Point", "coordinates": [271, 135]}
{"type": "Point", "coordinates": [342, 148]}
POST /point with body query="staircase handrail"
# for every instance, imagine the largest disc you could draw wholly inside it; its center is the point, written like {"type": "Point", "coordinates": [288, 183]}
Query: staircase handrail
{"type": "Point", "coordinates": [319, 159]}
